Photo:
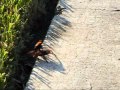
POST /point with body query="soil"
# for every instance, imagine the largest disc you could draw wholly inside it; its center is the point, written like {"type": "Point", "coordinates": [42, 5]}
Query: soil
{"type": "Point", "coordinates": [34, 30]}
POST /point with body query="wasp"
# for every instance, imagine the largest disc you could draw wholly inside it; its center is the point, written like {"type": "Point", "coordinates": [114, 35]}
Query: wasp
{"type": "Point", "coordinates": [39, 51]}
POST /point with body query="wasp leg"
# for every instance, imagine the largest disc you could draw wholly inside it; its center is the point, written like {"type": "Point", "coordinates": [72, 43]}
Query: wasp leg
{"type": "Point", "coordinates": [44, 58]}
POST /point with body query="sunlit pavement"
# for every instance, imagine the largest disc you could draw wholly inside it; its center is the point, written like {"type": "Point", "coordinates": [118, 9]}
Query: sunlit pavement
{"type": "Point", "coordinates": [86, 41]}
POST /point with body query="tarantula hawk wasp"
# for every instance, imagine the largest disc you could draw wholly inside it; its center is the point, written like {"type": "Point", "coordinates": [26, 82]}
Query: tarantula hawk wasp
{"type": "Point", "coordinates": [39, 51]}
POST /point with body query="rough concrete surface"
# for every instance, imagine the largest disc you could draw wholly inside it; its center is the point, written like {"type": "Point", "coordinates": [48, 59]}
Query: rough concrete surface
{"type": "Point", "coordinates": [86, 41]}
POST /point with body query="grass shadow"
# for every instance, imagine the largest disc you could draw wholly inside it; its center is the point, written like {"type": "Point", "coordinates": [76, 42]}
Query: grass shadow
{"type": "Point", "coordinates": [58, 25]}
{"type": "Point", "coordinates": [42, 67]}
{"type": "Point", "coordinates": [56, 29]}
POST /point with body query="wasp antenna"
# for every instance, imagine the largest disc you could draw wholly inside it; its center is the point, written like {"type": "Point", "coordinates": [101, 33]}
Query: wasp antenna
{"type": "Point", "coordinates": [38, 44]}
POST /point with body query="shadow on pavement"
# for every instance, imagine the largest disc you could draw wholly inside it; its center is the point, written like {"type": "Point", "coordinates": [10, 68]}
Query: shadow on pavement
{"type": "Point", "coordinates": [56, 29]}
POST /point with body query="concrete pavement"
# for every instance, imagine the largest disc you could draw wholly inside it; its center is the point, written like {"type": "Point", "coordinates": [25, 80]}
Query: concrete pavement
{"type": "Point", "coordinates": [86, 41]}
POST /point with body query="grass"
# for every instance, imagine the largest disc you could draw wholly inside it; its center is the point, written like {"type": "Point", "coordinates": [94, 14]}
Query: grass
{"type": "Point", "coordinates": [22, 24]}
{"type": "Point", "coordinates": [11, 14]}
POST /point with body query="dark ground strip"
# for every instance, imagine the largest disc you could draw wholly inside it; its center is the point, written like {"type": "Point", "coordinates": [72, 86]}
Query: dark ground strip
{"type": "Point", "coordinates": [41, 14]}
